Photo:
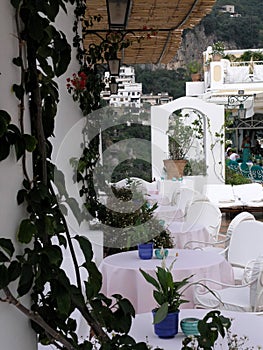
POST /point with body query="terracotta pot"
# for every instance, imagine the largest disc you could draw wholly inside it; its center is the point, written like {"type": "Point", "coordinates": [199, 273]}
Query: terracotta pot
{"type": "Point", "coordinates": [196, 76]}
{"type": "Point", "coordinates": [217, 57]}
{"type": "Point", "coordinates": [174, 168]}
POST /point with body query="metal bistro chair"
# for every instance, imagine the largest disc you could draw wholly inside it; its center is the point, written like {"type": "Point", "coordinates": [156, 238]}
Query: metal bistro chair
{"type": "Point", "coordinates": [221, 245]}
{"type": "Point", "coordinates": [247, 297]}
{"type": "Point", "coordinates": [246, 244]}
{"type": "Point", "coordinates": [206, 214]}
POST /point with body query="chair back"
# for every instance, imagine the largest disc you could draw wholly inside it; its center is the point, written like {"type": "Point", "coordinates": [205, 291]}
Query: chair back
{"type": "Point", "coordinates": [237, 219]}
{"type": "Point", "coordinates": [257, 173]}
{"type": "Point", "coordinates": [182, 198]}
{"type": "Point", "coordinates": [246, 242]}
{"type": "Point", "coordinates": [256, 284]}
{"type": "Point", "coordinates": [206, 214]}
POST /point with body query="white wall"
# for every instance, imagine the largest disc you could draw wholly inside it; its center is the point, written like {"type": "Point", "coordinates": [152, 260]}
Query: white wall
{"type": "Point", "coordinates": [159, 119]}
{"type": "Point", "coordinates": [69, 123]}
{"type": "Point", "coordinates": [15, 331]}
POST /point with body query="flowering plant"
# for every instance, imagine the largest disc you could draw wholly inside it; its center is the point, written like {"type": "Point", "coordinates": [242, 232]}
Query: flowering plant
{"type": "Point", "coordinates": [77, 84]}
{"type": "Point", "coordinates": [85, 88]}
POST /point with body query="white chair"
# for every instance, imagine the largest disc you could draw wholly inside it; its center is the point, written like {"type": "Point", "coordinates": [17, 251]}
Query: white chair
{"type": "Point", "coordinates": [182, 198]}
{"type": "Point", "coordinates": [247, 297]}
{"type": "Point", "coordinates": [246, 244]}
{"type": "Point", "coordinates": [206, 214]}
{"type": "Point", "coordinates": [244, 216]}
{"type": "Point", "coordinates": [221, 245]}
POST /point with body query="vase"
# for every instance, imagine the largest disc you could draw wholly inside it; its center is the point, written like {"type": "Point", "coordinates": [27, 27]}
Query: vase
{"type": "Point", "coordinates": [145, 251]}
{"type": "Point", "coordinates": [159, 254]}
{"type": "Point", "coordinates": [189, 326]}
{"type": "Point", "coordinates": [174, 168]}
{"type": "Point", "coordinates": [167, 328]}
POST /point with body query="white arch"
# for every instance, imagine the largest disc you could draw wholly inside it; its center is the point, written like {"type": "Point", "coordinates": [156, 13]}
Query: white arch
{"type": "Point", "coordinates": [159, 126]}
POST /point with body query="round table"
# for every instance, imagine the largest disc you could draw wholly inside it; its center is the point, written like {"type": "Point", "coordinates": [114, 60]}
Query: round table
{"type": "Point", "coordinates": [243, 324]}
{"type": "Point", "coordinates": [121, 274]}
{"type": "Point", "coordinates": [183, 232]}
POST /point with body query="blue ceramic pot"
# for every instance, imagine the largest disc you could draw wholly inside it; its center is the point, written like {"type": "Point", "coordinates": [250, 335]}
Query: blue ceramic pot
{"type": "Point", "coordinates": [167, 328]}
{"type": "Point", "coordinates": [145, 250]}
{"type": "Point", "coordinates": [189, 326]}
{"type": "Point", "coordinates": [158, 253]}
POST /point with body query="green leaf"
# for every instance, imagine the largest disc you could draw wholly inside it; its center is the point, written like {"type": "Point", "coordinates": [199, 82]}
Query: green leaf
{"type": "Point", "coordinates": [26, 184]}
{"type": "Point", "coordinates": [5, 116]}
{"type": "Point", "coordinates": [18, 61]}
{"type": "Point", "coordinates": [7, 246]}
{"type": "Point", "coordinates": [51, 10]}
{"type": "Point", "coordinates": [63, 300]}
{"type": "Point", "coordinates": [30, 142]}
{"type": "Point", "coordinates": [93, 286]}
{"type": "Point", "coordinates": [18, 90]}
{"type": "Point", "coordinates": [14, 270]}
{"type": "Point", "coordinates": [85, 246]}
{"type": "Point", "coordinates": [161, 313]}
{"type": "Point", "coordinates": [26, 231]}
{"type": "Point", "coordinates": [4, 148]}
{"type": "Point", "coordinates": [54, 254]}
{"type": "Point", "coordinates": [21, 195]}
{"type": "Point", "coordinates": [19, 147]}
{"type": "Point", "coordinates": [3, 276]}
{"type": "Point", "coordinates": [15, 3]}
{"type": "Point", "coordinates": [150, 279]}
{"type": "Point", "coordinates": [3, 125]}
{"type": "Point", "coordinates": [3, 258]}
{"type": "Point", "coordinates": [26, 279]}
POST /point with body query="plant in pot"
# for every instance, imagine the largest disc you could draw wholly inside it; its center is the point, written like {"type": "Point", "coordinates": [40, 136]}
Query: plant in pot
{"type": "Point", "coordinates": [194, 68]}
{"type": "Point", "coordinates": [218, 50]}
{"type": "Point", "coordinates": [169, 296]}
{"type": "Point", "coordinates": [213, 325]}
{"type": "Point", "coordinates": [180, 140]}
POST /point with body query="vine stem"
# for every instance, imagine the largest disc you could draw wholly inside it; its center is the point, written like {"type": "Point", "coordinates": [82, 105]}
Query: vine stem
{"type": "Point", "coordinates": [22, 99]}
{"type": "Point", "coordinates": [95, 326]}
{"type": "Point", "coordinates": [38, 319]}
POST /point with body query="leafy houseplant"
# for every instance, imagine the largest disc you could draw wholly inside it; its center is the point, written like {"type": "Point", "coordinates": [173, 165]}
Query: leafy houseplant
{"type": "Point", "coordinates": [210, 327]}
{"type": "Point", "coordinates": [180, 139]}
{"type": "Point", "coordinates": [194, 68]}
{"type": "Point", "coordinates": [218, 50]}
{"type": "Point", "coordinates": [168, 294]}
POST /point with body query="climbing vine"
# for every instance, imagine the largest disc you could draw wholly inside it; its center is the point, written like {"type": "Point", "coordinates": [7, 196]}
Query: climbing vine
{"type": "Point", "coordinates": [44, 55]}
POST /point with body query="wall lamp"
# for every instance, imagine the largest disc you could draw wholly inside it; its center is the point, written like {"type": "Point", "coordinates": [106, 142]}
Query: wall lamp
{"type": "Point", "coordinates": [114, 66]}
{"type": "Point", "coordinates": [113, 86]}
{"type": "Point", "coordinates": [238, 100]}
{"type": "Point", "coordinates": [118, 13]}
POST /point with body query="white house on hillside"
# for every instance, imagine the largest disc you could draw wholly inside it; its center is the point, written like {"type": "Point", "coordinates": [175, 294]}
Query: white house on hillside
{"type": "Point", "coordinates": [238, 86]}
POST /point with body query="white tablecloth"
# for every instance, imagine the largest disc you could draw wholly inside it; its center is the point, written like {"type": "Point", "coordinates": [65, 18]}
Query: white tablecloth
{"type": "Point", "coordinates": [121, 274]}
{"type": "Point", "coordinates": [242, 324]}
{"type": "Point", "coordinates": [182, 232]}
{"type": "Point", "coordinates": [158, 198]}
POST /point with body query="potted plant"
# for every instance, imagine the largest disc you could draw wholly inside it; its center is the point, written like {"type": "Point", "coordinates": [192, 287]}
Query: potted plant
{"type": "Point", "coordinates": [180, 139]}
{"type": "Point", "coordinates": [210, 327]}
{"type": "Point", "coordinates": [169, 296]}
{"type": "Point", "coordinates": [194, 68]}
{"type": "Point", "coordinates": [218, 50]}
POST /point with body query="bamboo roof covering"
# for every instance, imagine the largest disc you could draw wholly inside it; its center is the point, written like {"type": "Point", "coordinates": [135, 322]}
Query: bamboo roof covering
{"type": "Point", "coordinates": [167, 17]}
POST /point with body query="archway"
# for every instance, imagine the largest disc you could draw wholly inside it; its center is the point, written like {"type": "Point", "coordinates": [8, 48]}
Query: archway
{"type": "Point", "coordinates": [215, 160]}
